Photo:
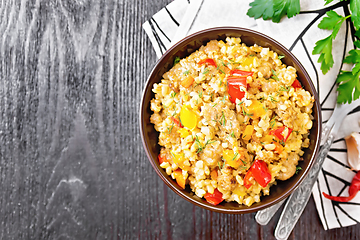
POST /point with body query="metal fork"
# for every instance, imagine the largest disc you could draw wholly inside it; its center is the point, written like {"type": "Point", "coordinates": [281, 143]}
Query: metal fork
{"type": "Point", "coordinates": [298, 199]}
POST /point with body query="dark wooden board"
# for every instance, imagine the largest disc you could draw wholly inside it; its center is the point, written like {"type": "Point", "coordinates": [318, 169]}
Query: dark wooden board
{"type": "Point", "coordinates": [72, 164]}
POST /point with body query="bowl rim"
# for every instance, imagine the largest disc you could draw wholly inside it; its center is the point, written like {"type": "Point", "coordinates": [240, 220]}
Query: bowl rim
{"type": "Point", "coordinates": [218, 208]}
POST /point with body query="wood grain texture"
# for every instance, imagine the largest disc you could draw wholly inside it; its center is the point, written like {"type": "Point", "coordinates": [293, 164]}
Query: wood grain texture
{"type": "Point", "coordinates": [71, 160]}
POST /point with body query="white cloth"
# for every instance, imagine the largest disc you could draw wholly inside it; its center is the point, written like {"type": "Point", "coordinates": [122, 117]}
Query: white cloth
{"type": "Point", "coordinates": [299, 34]}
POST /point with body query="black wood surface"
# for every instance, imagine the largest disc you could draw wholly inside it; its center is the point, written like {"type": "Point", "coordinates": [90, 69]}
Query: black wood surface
{"type": "Point", "coordinates": [71, 161]}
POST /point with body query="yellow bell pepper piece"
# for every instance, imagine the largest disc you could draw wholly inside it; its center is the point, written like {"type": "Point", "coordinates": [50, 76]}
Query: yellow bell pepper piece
{"type": "Point", "coordinates": [188, 118]}
{"type": "Point", "coordinates": [249, 129]}
{"type": "Point", "coordinates": [187, 82]}
{"type": "Point", "coordinates": [183, 132]}
{"type": "Point", "coordinates": [180, 178]}
{"type": "Point", "coordinates": [240, 191]}
{"type": "Point", "coordinates": [248, 61]}
{"type": "Point", "coordinates": [178, 159]}
{"type": "Point", "coordinates": [232, 158]}
{"type": "Point", "coordinates": [267, 139]}
{"type": "Point", "coordinates": [256, 109]}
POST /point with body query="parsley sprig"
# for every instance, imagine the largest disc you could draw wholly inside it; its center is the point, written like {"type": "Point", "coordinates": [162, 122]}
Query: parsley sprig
{"type": "Point", "coordinates": [349, 84]}
{"type": "Point", "coordinates": [333, 22]}
{"type": "Point", "coordinates": [274, 9]}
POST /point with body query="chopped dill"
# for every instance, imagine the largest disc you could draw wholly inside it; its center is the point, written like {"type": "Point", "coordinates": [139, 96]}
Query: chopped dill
{"type": "Point", "coordinates": [274, 76]}
{"type": "Point", "coordinates": [243, 162]}
{"type": "Point", "coordinates": [272, 99]}
{"type": "Point", "coordinates": [171, 128]}
{"type": "Point", "coordinates": [244, 112]}
{"type": "Point", "coordinates": [200, 146]}
{"type": "Point", "coordinates": [173, 94]}
{"type": "Point", "coordinates": [235, 156]}
{"type": "Point", "coordinates": [186, 72]}
{"type": "Point", "coordinates": [224, 64]}
{"type": "Point", "coordinates": [222, 119]}
{"type": "Point", "coordinates": [206, 71]}
{"type": "Point", "coordinates": [221, 167]}
{"type": "Point", "coordinates": [243, 167]}
{"type": "Point", "coordinates": [284, 89]}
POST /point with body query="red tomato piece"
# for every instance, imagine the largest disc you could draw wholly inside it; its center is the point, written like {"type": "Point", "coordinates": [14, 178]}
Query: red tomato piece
{"type": "Point", "coordinates": [247, 178]}
{"type": "Point", "coordinates": [296, 84]}
{"type": "Point", "coordinates": [236, 87]}
{"type": "Point", "coordinates": [281, 133]}
{"type": "Point", "coordinates": [162, 158]}
{"type": "Point", "coordinates": [260, 172]}
{"type": "Point", "coordinates": [214, 198]}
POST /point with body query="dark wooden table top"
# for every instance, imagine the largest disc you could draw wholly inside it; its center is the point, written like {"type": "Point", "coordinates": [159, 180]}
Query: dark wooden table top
{"type": "Point", "coordinates": [72, 164]}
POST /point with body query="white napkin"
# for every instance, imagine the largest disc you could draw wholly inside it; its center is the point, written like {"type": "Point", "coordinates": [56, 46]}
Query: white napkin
{"type": "Point", "coordinates": [181, 18]}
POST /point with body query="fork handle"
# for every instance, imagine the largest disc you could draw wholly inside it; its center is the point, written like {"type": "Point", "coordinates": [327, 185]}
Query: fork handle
{"type": "Point", "coordinates": [264, 216]}
{"type": "Point", "coordinates": [298, 199]}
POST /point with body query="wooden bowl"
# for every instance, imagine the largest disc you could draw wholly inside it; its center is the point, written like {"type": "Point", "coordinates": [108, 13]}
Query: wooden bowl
{"type": "Point", "coordinates": [150, 136]}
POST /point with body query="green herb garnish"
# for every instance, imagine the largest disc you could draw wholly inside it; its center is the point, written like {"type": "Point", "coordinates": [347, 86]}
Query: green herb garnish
{"type": "Point", "coordinates": [274, 76]}
{"type": "Point", "coordinates": [173, 94]}
{"type": "Point", "coordinates": [206, 70]}
{"type": "Point", "coordinates": [272, 99]}
{"type": "Point", "coordinates": [349, 84]}
{"type": "Point", "coordinates": [284, 88]}
{"type": "Point", "coordinates": [244, 112]}
{"type": "Point", "coordinates": [200, 146]}
{"type": "Point", "coordinates": [274, 9]}
{"type": "Point", "coordinates": [171, 128]}
{"type": "Point", "coordinates": [176, 60]}
{"type": "Point", "coordinates": [235, 156]}
{"type": "Point", "coordinates": [222, 119]}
